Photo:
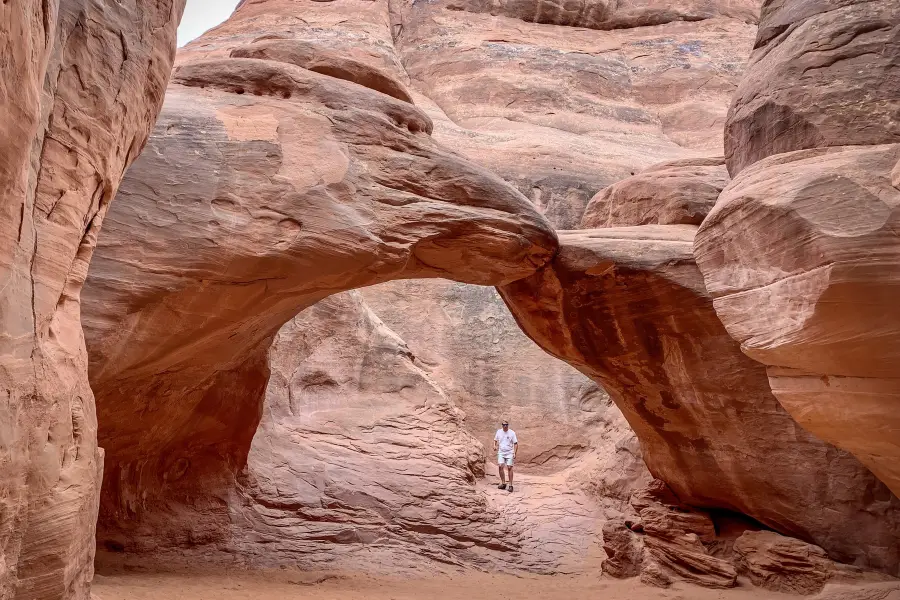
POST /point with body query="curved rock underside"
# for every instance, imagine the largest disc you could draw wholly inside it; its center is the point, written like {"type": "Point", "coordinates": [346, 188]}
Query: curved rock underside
{"type": "Point", "coordinates": [628, 307]}
{"type": "Point", "coordinates": [81, 85]}
{"type": "Point", "coordinates": [266, 187]}
{"type": "Point", "coordinates": [800, 252]}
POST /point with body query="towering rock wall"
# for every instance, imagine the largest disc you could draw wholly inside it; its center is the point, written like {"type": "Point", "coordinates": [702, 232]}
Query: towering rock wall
{"type": "Point", "coordinates": [80, 84]}
{"type": "Point", "coordinates": [800, 252]}
{"type": "Point", "coordinates": [563, 102]}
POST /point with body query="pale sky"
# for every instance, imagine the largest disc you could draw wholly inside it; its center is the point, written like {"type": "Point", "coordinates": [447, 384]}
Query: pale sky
{"type": "Point", "coordinates": [201, 15]}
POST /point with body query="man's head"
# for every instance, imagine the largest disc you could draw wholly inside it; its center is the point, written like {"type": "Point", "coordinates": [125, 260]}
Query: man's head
{"type": "Point", "coordinates": [505, 425]}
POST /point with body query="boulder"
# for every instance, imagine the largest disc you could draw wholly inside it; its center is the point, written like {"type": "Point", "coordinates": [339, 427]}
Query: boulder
{"type": "Point", "coordinates": [821, 74]}
{"type": "Point", "coordinates": [628, 307]}
{"type": "Point", "coordinates": [80, 84]}
{"type": "Point", "coordinates": [624, 550]}
{"type": "Point", "coordinates": [265, 188]}
{"type": "Point", "coordinates": [801, 257]}
{"type": "Point", "coordinates": [674, 193]}
{"type": "Point", "coordinates": [781, 564]}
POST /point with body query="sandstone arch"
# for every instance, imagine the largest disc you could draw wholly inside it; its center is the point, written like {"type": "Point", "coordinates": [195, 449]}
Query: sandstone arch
{"type": "Point", "coordinates": [266, 188]}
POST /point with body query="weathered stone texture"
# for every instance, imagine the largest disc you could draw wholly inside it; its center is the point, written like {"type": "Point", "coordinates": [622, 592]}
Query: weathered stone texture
{"type": "Point", "coordinates": [80, 85]}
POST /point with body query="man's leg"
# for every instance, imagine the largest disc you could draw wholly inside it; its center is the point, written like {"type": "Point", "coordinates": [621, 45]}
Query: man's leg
{"type": "Point", "coordinates": [502, 474]}
{"type": "Point", "coordinates": [510, 469]}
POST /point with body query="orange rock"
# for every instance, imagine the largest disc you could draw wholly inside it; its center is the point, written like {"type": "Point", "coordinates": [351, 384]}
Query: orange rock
{"type": "Point", "coordinates": [821, 74]}
{"type": "Point", "coordinates": [628, 307]}
{"type": "Point", "coordinates": [674, 193]}
{"type": "Point", "coordinates": [801, 257]}
{"type": "Point", "coordinates": [800, 251]}
{"type": "Point", "coordinates": [81, 84]}
{"type": "Point", "coordinates": [265, 188]}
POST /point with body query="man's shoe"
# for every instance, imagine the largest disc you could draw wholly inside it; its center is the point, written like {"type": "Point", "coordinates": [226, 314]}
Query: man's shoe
{"type": "Point", "coordinates": [502, 486]}
{"type": "Point", "coordinates": [510, 487]}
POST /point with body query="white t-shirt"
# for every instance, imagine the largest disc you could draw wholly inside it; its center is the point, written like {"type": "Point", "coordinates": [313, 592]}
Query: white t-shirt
{"type": "Point", "coordinates": [506, 440]}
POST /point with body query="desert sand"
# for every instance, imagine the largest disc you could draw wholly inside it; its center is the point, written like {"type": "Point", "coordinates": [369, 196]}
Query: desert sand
{"type": "Point", "coordinates": [286, 584]}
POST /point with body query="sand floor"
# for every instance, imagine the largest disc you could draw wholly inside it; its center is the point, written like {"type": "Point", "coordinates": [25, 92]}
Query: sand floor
{"type": "Point", "coordinates": [287, 585]}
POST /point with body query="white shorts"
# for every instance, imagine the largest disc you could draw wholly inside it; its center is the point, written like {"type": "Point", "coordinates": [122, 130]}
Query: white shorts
{"type": "Point", "coordinates": [506, 459]}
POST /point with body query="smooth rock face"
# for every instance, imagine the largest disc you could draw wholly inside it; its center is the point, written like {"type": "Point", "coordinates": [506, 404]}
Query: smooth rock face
{"type": "Point", "coordinates": [265, 188]}
{"type": "Point", "coordinates": [627, 306]}
{"type": "Point", "coordinates": [800, 251]}
{"type": "Point", "coordinates": [80, 84]}
{"type": "Point", "coordinates": [675, 193]}
{"type": "Point", "coordinates": [821, 74]}
{"type": "Point", "coordinates": [801, 255]}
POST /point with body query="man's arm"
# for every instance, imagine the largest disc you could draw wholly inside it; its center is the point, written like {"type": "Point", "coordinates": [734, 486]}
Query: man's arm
{"type": "Point", "coordinates": [515, 448]}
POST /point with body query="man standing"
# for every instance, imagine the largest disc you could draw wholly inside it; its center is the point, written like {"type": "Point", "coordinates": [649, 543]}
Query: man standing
{"type": "Point", "coordinates": [506, 445]}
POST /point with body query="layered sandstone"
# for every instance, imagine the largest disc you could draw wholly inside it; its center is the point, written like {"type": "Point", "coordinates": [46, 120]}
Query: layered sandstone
{"type": "Point", "coordinates": [628, 307]}
{"type": "Point", "coordinates": [353, 469]}
{"type": "Point", "coordinates": [816, 299]}
{"type": "Point", "coordinates": [800, 250]}
{"type": "Point", "coordinates": [820, 75]}
{"type": "Point", "coordinates": [562, 111]}
{"type": "Point", "coordinates": [266, 187]}
{"type": "Point", "coordinates": [673, 193]}
{"type": "Point", "coordinates": [81, 85]}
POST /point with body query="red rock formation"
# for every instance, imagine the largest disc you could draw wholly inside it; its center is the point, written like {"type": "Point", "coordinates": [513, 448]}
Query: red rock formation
{"type": "Point", "coordinates": [353, 469]}
{"type": "Point", "coordinates": [675, 193]}
{"type": "Point", "coordinates": [81, 85]}
{"type": "Point", "coordinates": [597, 14]}
{"type": "Point", "coordinates": [781, 564]}
{"type": "Point", "coordinates": [800, 252]}
{"type": "Point", "coordinates": [561, 111]}
{"type": "Point", "coordinates": [627, 306]}
{"type": "Point", "coordinates": [821, 74]}
{"type": "Point", "coordinates": [266, 187]}
{"type": "Point", "coordinates": [669, 546]}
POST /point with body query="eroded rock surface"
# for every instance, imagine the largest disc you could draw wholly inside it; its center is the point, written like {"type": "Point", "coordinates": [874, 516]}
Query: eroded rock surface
{"type": "Point", "coordinates": [665, 543]}
{"type": "Point", "coordinates": [266, 187]}
{"type": "Point", "coordinates": [675, 193]}
{"type": "Point", "coordinates": [816, 298]}
{"type": "Point", "coordinates": [80, 85]}
{"type": "Point", "coordinates": [800, 252]}
{"type": "Point", "coordinates": [628, 307]}
{"type": "Point", "coordinates": [782, 564]}
{"type": "Point", "coordinates": [562, 111]}
{"type": "Point", "coordinates": [353, 469]}
{"type": "Point", "coordinates": [821, 75]}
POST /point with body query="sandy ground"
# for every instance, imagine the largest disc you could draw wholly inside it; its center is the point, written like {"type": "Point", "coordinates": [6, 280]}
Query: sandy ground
{"type": "Point", "coordinates": [289, 585]}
